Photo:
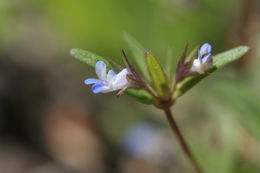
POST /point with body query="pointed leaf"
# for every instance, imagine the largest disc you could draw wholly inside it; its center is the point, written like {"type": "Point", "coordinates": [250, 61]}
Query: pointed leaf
{"type": "Point", "coordinates": [157, 74]}
{"type": "Point", "coordinates": [229, 56]}
{"type": "Point", "coordinates": [88, 57]}
{"type": "Point", "coordinates": [141, 95]}
{"type": "Point", "coordinates": [219, 61]}
{"type": "Point", "coordinates": [138, 54]}
{"type": "Point", "coordinates": [193, 53]}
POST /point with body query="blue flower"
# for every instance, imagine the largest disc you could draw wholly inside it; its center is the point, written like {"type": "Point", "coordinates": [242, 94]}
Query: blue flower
{"type": "Point", "coordinates": [107, 82]}
{"type": "Point", "coordinates": [204, 60]}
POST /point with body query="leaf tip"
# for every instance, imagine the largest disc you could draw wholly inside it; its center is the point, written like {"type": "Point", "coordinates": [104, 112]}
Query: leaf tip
{"type": "Point", "coordinates": [246, 48]}
{"type": "Point", "coordinates": [73, 51]}
{"type": "Point", "coordinates": [147, 53]}
{"type": "Point", "coordinates": [127, 37]}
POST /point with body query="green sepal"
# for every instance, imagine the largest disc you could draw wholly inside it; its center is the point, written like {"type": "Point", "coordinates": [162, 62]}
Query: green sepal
{"type": "Point", "coordinates": [141, 95]}
{"type": "Point", "coordinates": [219, 61]}
{"type": "Point", "coordinates": [193, 54]}
{"type": "Point", "coordinates": [88, 57]}
{"type": "Point", "coordinates": [157, 75]}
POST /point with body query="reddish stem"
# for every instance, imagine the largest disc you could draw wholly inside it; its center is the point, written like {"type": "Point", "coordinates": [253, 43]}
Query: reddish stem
{"type": "Point", "coordinates": [181, 139]}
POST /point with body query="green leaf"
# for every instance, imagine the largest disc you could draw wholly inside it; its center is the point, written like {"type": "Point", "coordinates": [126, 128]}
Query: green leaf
{"type": "Point", "coordinates": [138, 54]}
{"type": "Point", "coordinates": [157, 75]}
{"type": "Point", "coordinates": [229, 56]}
{"type": "Point", "coordinates": [141, 95]}
{"type": "Point", "coordinates": [88, 57]}
{"type": "Point", "coordinates": [219, 61]}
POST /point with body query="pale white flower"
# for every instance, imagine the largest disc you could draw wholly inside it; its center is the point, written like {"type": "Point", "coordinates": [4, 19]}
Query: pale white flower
{"type": "Point", "coordinates": [107, 82]}
{"type": "Point", "coordinates": [204, 60]}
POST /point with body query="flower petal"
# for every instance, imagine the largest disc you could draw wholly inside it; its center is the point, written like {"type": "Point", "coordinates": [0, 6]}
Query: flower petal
{"type": "Point", "coordinates": [207, 59]}
{"type": "Point", "coordinates": [91, 81]}
{"type": "Point", "coordinates": [205, 49]}
{"type": "Point", "coordinates": [101, 69]}
{"type": "Point", "coordinates": [99, 87]}
{"type": "Point", "coordinates": [111, 75]}
{"type": "Point", "coordinates": [196, 65]}
{"type": "Point", "coordinates": [120, 80]}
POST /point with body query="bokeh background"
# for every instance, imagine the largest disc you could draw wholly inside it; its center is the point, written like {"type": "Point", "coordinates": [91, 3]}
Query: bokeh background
{"type": "Point", "coordinates": [51, 122]}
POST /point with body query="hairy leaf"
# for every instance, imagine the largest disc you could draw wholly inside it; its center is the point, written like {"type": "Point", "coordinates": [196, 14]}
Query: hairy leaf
{"type": "Point", "coordinates": [88, 57]}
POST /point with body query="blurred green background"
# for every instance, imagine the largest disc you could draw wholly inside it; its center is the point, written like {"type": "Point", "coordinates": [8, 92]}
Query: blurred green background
{"type": "Point", "coordinates": [51, 122]}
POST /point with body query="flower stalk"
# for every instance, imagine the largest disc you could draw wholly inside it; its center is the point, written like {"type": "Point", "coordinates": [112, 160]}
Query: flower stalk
{"type": "Point", "coordinates": [181, 139]}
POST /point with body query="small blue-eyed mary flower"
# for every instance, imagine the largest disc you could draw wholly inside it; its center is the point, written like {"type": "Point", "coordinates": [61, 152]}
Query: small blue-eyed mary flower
{"type": "Point", "coordinates": [108, 81]}
{"type": "Point", "coordinates": [204, 60]}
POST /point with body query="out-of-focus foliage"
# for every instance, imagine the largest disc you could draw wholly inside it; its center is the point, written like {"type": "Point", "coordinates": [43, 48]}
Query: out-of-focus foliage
{"type": "Point", "coordinates": [97, 24]}
{"type": "Point", "coordinates": [242, 101]}
{"type": "Point", "coordinates": [137, 51]}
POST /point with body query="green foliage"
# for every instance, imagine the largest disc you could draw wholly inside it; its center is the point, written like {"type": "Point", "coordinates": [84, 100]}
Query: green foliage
{"type": "Point", "coordinates": [88, 57]}
{"type": "Point", "coordinates": [157, 74]}
{"type": "Point", "coordinates": [141, 95]}
{"type": "Point", "coordinates": [219, 61]}
{"type": "Point", "coordinates": [229, 56]}
{"type": "Point", "coordinates": [242, 101]}
{"type": "Point", "coordinates": [138, 54]}
{"type": "Point", "coordinates": [169, 64]}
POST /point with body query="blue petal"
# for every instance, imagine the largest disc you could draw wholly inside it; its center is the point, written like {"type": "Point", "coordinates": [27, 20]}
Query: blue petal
{"type": "Point", "coordinates": [207, 59]}
{"type": "Point", "coordinates": [101, 69]}
{"type": "Point", "coordinates": [205, 49]}
{"type": "Point", "coordinates": [99, 87]}
{"type": "Point", "coordinates": [91, 81]}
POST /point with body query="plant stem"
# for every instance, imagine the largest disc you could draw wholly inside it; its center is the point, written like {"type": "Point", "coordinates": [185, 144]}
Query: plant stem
{"type": "Point", "coordinates": [181, 139]}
